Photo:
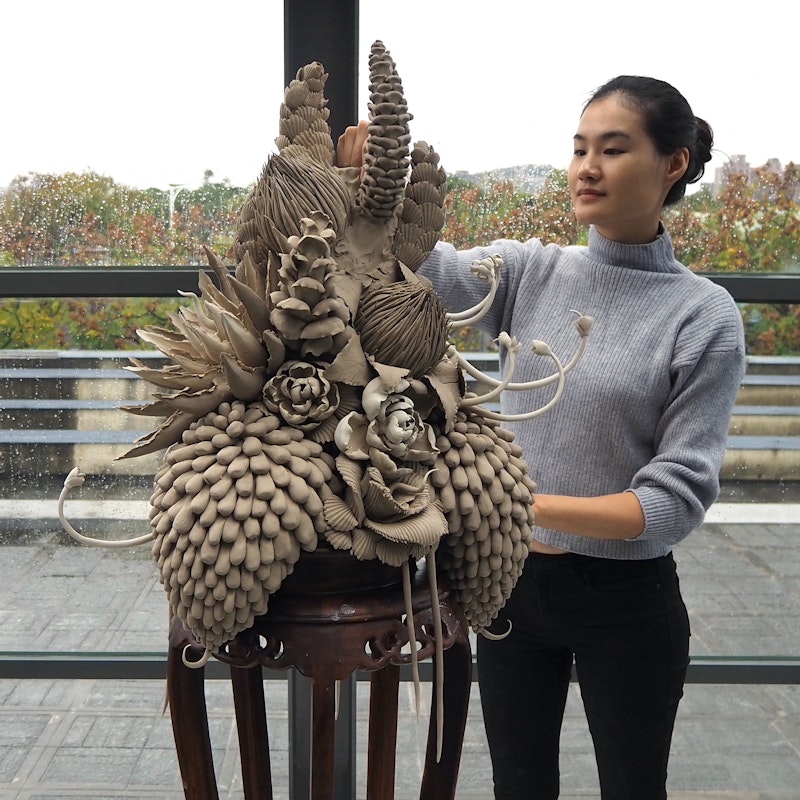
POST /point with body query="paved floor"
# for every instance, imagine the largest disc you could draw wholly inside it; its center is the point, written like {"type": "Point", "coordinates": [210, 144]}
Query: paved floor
{"type": "Point", "coordinates": [108, 740]}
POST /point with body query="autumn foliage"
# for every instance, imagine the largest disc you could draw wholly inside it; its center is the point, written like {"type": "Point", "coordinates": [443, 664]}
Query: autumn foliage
{"type": "Point", "coordinates": [71, 219]}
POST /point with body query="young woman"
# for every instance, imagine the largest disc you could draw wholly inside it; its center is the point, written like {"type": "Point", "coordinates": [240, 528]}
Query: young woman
{"type": "Point", "coordinates": [626, 463]}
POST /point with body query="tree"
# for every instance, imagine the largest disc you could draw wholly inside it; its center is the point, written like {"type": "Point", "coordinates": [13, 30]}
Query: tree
{"type": "Point", "coordinates": [476, 215]}
{"type": "Point", "coordinates": [86, 219]}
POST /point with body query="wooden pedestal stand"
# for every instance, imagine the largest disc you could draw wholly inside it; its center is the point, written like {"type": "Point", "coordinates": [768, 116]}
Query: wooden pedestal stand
{"type": "Point", "coordinates": [334, 615]}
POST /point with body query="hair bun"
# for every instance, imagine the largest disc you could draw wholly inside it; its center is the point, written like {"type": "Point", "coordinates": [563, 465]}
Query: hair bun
{"type": "Point", "coordinates": [705, 140]}
{"type": "Point", "coordinates": [700, 154]}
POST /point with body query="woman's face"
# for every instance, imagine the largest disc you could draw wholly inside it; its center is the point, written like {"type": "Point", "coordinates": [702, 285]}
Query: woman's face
{"type": "Point", "coordinates": [617, 178]}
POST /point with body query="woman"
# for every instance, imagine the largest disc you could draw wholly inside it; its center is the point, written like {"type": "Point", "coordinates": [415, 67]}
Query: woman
{"type": "Point", "coordinates": [626, 463]}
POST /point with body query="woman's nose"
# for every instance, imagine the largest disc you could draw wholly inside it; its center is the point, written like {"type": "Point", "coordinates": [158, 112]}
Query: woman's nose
{"type": "Point", "coordinates": [588, 167]}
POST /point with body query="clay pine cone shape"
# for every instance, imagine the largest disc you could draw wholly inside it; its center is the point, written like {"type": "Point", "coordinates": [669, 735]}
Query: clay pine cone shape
{"type": "Point", "coordinates": [484, 489]}
{"type": "Point", "coordinates": [234, 504]}
{"type": "Point", "coordinates": [386, 160]}
{"type": "Point", "coordinates": [423, 215]}
{"type": "Point", "coordinates": [306, 311]}
{"type": "Point", "coordinates": [403, 324]}
{"type": "Point", "coordinates": [303, 124]}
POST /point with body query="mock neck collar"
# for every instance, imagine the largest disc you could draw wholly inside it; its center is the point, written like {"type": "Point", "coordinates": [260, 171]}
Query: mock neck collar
{"type": "Point", "coordinates": [655, 256]}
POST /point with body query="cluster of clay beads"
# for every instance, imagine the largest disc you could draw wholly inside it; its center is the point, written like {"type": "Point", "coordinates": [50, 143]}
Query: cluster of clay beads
{"type": "Point", "coordinates": [234, 504]}
{"type": "Point", "coordinates": [484, 489]}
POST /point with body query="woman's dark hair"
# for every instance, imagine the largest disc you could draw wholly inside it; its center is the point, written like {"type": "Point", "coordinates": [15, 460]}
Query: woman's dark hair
{"type": "Point", "coordinates": [668, 120]}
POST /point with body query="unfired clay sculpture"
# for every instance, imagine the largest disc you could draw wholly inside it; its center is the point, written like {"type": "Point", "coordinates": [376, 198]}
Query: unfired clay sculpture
{"type": "Point", "coordinates": [313, 394]}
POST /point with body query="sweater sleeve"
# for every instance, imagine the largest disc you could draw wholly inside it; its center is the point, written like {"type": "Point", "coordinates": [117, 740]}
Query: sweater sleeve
{"type": "Point", "coordinates": [449, 271]}
{"type": "Point", "coordinates": [681, 481]}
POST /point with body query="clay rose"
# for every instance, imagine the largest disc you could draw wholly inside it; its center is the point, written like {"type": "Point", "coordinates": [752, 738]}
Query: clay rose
{"type": "Point", "coordinates": [301, 394]}
{"type": "Point", "coordinates": [390, 424]}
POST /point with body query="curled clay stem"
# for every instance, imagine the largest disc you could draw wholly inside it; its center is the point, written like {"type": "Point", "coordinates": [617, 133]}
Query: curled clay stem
{"type": "Point", "coordinates": [198, 308]}
{"type": "Point", "coordinates": [511, 346]}
{"type": "Point", "coordinates": [496, 637]}
{"type": "Point", "coordinates": [487, 269]}
{"type": "Point", "coordinates": [76, 478]}
{"type": "Point", "coordinates": [412, 634]}
{"type": "Point", "coordinates": [201, 662]}
{"type": "Point", "coordinates": [583, 324]}
{"type": "Point", "coordinates": [430, 560]}
{"type": "Point", "coordinates": [541, 349]}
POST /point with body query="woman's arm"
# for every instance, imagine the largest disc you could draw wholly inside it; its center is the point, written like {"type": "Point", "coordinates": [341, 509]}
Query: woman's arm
{"type": "Point", "coordinates": [611, 516]}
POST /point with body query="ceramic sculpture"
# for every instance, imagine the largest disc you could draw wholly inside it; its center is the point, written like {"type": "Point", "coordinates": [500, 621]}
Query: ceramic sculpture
{"type": "Point", "coordinates": [312, 394]}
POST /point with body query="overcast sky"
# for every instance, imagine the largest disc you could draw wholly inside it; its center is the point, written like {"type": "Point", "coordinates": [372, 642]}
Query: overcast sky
{"type": "Point", "coordinates": [153, 92]}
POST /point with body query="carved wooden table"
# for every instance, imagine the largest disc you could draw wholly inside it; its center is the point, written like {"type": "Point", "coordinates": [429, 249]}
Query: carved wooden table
{"type": "Point", "coordinates": [327, 634]}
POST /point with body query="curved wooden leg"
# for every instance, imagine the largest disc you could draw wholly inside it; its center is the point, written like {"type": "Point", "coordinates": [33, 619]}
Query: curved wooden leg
{"type": "Point", "coordinates": [251, 726]}
{"type": "Point", "coordinates": [439, 778]}
{"type": "Point", "coordinates": [187, 703]}
{"type": "Point", "coordinates": [382, 747]}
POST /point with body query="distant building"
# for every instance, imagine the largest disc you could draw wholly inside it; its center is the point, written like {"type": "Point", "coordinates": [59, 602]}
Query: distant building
{"type": "Point", "coordinates": [738, 165]}
{"type": "Point", "coordinates": [527, 178]}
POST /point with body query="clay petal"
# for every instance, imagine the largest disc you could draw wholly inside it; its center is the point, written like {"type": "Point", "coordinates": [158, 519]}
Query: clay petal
{"type": "Point", "coordinates": [169, 377]}
{"type": "Point", "coordinates": [323, 328]}
{"type": "Point", "coordinates": [245, 383]}
{"type": "Point", "coordinates": [166, 341]}
{"type": "Point", "coordinates": [247, 348]}
{"type": "Point", "coordinates": [425, 528]}
{"type": "Point", "coordinates": [350, 365]}
{"type": "Point", "coordinates": [156, 409]}
{"type": "Point", "coordinates": [288, 325]}
{"type": "Point", "coordinates": [211, 292]}
{"type": "Point", "coordinates": [339, 540]}
{"type": "Point", "coordinates": [392, 553]}
{"type": "Point", "coordinates": [393, 379]}
{"type": "Point", "coordinates": [276, 351]}
{"type": "Point", "coordinates": [209, 344]}
{"type": "Point", "coordinates": [338, 514]}
{"type": "Point", "coordinates": [365, 544]}
{"type": "Point", "coordinates": [255, 305]}
{"type": "Point", "coordinates": [199, 403]}
{"type": "Point", "coordinates": [169, 432]}
{"type": "Point", "coordinates": [350, 436]}
{"type": "Point", "coordinates": [447, 380]}
{"type": "Point", "coordinates": [373, 397]}
{"type": "Point", "coordinates": [325, 431]}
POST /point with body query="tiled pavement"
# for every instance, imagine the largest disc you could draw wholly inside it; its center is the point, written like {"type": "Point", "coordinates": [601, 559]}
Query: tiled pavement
{"type": "Point", "coordinates": [108, 740]}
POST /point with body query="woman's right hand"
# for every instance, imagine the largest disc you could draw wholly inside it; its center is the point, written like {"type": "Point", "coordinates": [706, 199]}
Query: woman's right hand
{"type": "Point", "coordinates": [352, 145]}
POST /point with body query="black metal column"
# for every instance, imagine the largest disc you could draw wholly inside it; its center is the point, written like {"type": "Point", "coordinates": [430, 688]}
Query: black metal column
{"type": "Point", "coordinates": [325, 31]}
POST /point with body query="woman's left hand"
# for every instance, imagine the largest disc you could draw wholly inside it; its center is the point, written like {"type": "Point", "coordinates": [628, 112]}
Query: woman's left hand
{"type": "Point", "coordinates": [352, 145]}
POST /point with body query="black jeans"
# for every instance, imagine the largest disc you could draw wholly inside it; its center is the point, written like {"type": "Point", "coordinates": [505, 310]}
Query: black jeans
{"type": "Point", "coordinates": [625, 626]}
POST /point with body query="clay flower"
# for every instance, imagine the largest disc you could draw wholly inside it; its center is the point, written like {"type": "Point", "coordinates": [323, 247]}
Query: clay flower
{"type": "Point", "coordinates": [301, 394]}
{"type": "Point", "coordinates": [386, 511]}
{"type": "Point", "coordinates": [390, 424]}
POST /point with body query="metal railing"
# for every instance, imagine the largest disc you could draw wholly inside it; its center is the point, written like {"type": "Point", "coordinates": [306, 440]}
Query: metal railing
{"type": "Point", "coordinates": [155, 281]}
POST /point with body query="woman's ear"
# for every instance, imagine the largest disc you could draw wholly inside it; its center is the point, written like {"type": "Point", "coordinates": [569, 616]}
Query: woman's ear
{"type": "Point", "coordinates": [678, 164]}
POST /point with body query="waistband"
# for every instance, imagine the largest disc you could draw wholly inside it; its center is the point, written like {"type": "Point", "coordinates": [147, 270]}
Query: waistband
{"type": "Point", "coordinates": [544, 563]}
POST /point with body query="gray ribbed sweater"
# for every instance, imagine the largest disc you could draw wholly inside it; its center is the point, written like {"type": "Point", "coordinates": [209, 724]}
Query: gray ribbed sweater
{"type": "Point", "coordinates": [648, 407]}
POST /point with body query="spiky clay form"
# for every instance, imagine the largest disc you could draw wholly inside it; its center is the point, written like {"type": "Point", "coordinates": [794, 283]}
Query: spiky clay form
{"type": "Point", "coordinates": [312, 392]}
